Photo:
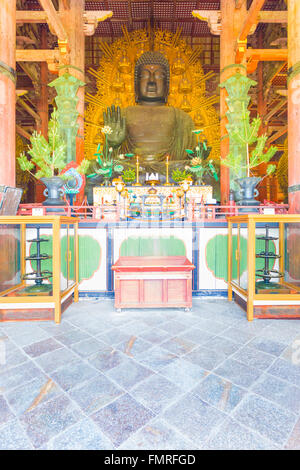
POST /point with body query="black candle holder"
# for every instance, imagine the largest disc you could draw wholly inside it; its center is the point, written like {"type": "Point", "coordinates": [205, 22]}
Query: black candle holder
{"type": "Point", "coordinates": [38, 276]}
{"type": "Point", "coordinates": [266, 273]}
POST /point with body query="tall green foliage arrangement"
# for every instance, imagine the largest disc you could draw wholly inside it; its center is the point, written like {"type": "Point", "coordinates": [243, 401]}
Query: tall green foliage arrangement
{"type": "Point", "coordinates": [49, 157]}
{"type": "Point", "coordinates": [246, 146]}
{"type": "Point", "coordinates": [246, 136]}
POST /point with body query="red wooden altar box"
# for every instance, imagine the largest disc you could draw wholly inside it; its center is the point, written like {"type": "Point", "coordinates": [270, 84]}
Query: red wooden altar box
{"type": "Point", "coordinates": [153, 281]}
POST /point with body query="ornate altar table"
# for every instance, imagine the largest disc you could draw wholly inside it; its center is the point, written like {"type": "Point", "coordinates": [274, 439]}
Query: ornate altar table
{"type": "Point", "coordinates": [109, 194]}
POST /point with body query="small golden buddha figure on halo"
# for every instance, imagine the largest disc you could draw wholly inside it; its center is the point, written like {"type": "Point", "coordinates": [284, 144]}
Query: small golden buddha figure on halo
{"type": "Point", "coordinates": [151, 129]}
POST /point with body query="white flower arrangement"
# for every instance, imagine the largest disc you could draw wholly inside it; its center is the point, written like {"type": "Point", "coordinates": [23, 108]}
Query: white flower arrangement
{"type": "Point", "coordinates": [106, 130]}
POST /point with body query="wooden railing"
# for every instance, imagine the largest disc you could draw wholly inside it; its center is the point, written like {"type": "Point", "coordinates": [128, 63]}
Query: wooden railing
{"type": "Point", "coordinates": [191, 212]}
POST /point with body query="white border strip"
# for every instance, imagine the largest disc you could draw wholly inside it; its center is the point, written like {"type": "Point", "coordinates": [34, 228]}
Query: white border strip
{"type": "Point", "coordinates": [276, 302]}
{"type": "Point", "coordinates": [124, 277]}
{"type": "Point", "coordinates": [27, 305]}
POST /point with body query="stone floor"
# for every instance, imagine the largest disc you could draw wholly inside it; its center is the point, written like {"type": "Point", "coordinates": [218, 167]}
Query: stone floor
{"type": "Point", "coordinates": [150, 379]}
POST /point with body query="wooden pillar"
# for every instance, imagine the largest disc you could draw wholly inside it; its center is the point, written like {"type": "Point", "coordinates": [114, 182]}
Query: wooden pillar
{"type": "Point", "coordinates": [232, 21]}
{"type": "Point", "coordinates": [8, 92]}
{"type": "Point", "coordinates": [42, 103]}
{"type": "Point", "coordinates": [294, 105]}
{"type": "Point", "coordinates": [42, 109]}
{"type": "Point", "coordinates": [261, 102]}
{"type": "Point", "coordinates": [264, 188]}
{"type": "Point", "coordinates": [72, 19]}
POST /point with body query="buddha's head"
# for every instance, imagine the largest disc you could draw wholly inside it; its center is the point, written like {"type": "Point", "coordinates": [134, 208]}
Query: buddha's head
{"type": "Point", "coordinates": [151, 78]}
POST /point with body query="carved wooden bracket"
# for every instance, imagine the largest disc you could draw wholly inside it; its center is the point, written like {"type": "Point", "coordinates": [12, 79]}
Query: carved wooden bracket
{"type": "Point", "coordinates": [91, 19]}
{"type": "Point", "coordinates": [212, 17]}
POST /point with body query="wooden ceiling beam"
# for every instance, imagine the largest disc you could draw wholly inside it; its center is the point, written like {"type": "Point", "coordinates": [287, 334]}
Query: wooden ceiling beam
{"type": "Point", "coordinates": [29, 110]}
{"type": "Point", "coordinates": [267, 54]}
{"type": "Point", "coordinates": [254, 56]}
{"type": "Point", "coordinates": [53, 20]}
{"type": "Point", "coordinates": [266, 16]}
{"type": "Point", "coordinates": [22, 132]}
{"type": "Point", "coordinates": [251, 19]}
{"type": "Point", "coordinates": [276, 136]}
{"type": "Point", "coordinates": [28, 16]}
{"type": "Point", "coordinates": [274, 110]}
{"type": "Point", "coordinates": [37, 55]}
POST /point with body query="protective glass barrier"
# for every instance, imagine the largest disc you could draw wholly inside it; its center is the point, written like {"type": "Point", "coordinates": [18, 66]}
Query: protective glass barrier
{"type": "Point", "coordinates": [235, 255]}
{"type": "Point", "coordinates": [10, 258]}
{"type": "Point", "coordinates": [243, 250]}
{"type": "Point", "coordinates": [64, 257]}
{"type": "Point", "coordinates": [290, 263]}
{"type": "Point", "coordinates": [72, 254]}
{"type": "Point", "coordinates": [271, 258]}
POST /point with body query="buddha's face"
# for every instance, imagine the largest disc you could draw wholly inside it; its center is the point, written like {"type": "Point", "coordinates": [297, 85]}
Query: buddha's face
{"type": "Point", "coordinates": [152, 84]}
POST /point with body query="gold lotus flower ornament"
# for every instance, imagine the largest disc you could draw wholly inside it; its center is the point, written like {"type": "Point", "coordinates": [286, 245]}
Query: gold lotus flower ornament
{"type": "Point", "coordinates": [106, 130]}
{"type": "Point", "coordinates": [196, 161]}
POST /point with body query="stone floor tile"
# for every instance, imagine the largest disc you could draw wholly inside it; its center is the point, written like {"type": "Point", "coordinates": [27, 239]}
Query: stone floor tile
{"type": "Point", "coordinates": [13, 437]}
{"type": "Point", "coordinates": [293, 442]}
{"type": "Point", "coordinates": [33, 335]}
{"type": "Point", "coordinates": [71, 375]}
{"type": "Point", "coordinates": [54, 329]}
{"type": "Point", "coordinates": [155, 335]}
{"type": "Point", "coordinates": [206, 358]}
{"type": "Point", "coordinates": [30, 395]}
{"type": "Point", "coordinates": [88, 347]}
{"type": "Point", "coordinates": [128, 373]}
{"type": "Point", "coordinates": [254, 358]}
{"type": "Point", "coordinates": [156, 393]}
{"type": "Point", "coordinates": [219, 392]}
{"type": "Point", "coordinates": [157, 435]}
{"type": "Point", "coordinates": [153, 320]}
{"type": "Point", "coordinates": [55, 359]}
{"type": "Point", "coordinates": [193, 418]}
{"type": "Point", "coordinates": [267, 345]}
{"type": "Point", "coordinates": [174, 327]}
{"type": "Point", "coordinates": [285, 370]}
{"type": "Point", "coordinates": [179, 345]}
{"type": "Point", "coordinates": [237, 335]}
{"type": "Point", "coordinates": [218, 343]}
{"type": "Point", "coordinates": [95, 394]}
{"type": "Point", "coordinates": [134, 346]}
{"type": "Point", "coordinates": [238, 373]}
{"type": "Point", "coordinates": [279, 391]}
{"type": "Point", "coordinates": [122, 418]}
{"type": "Point", "coordinates": [136, 327]}
{"type": "Point", "coordinates": [106, 359]}
{"type": "Point", "coordinates": [72, 336]}
{"type": "Point", "coordinates": [266, 418]}
{"type": "Point", "coordinates": [18, 375]}
{"type": "Point", "coordinates": [47, 420]}
{"type": "Point", "coordinates": [42, 347]}
{"type": "Point", "coordinates": [114, 336]}
{"type": "Point", "coordinates": [184, 374]}
{"type": "Point", "coordinates": [213, 327]}
{"type": "Point", "coordinates": [5, 412]}
{"type": "Point", "coordinates": [156, 358]}
{"type": "Point", "coordinates": [11, 356]}
{"type": "Point", "coordinates": [84, 435]}
{"type": "Point", "coordinates": [232, 436]}
{"type": "Point", "coordinates": [196, 335]}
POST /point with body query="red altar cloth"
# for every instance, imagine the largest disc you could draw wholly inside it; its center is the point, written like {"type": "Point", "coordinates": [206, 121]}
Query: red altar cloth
{"type": "Point", "coordinates": [153, 281]}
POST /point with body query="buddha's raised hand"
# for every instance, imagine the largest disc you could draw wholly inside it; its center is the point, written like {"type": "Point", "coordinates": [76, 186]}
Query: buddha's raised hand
{"type": "Point", "coordinates": [112, 118]}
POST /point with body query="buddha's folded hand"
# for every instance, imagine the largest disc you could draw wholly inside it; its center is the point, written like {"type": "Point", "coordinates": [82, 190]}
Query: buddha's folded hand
{"type": "Point", "coordinates": [112, 119]}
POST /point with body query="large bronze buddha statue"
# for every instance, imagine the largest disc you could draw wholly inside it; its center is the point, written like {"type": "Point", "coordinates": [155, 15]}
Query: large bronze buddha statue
{"type": "Point", "coordinates": [151, 129]}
